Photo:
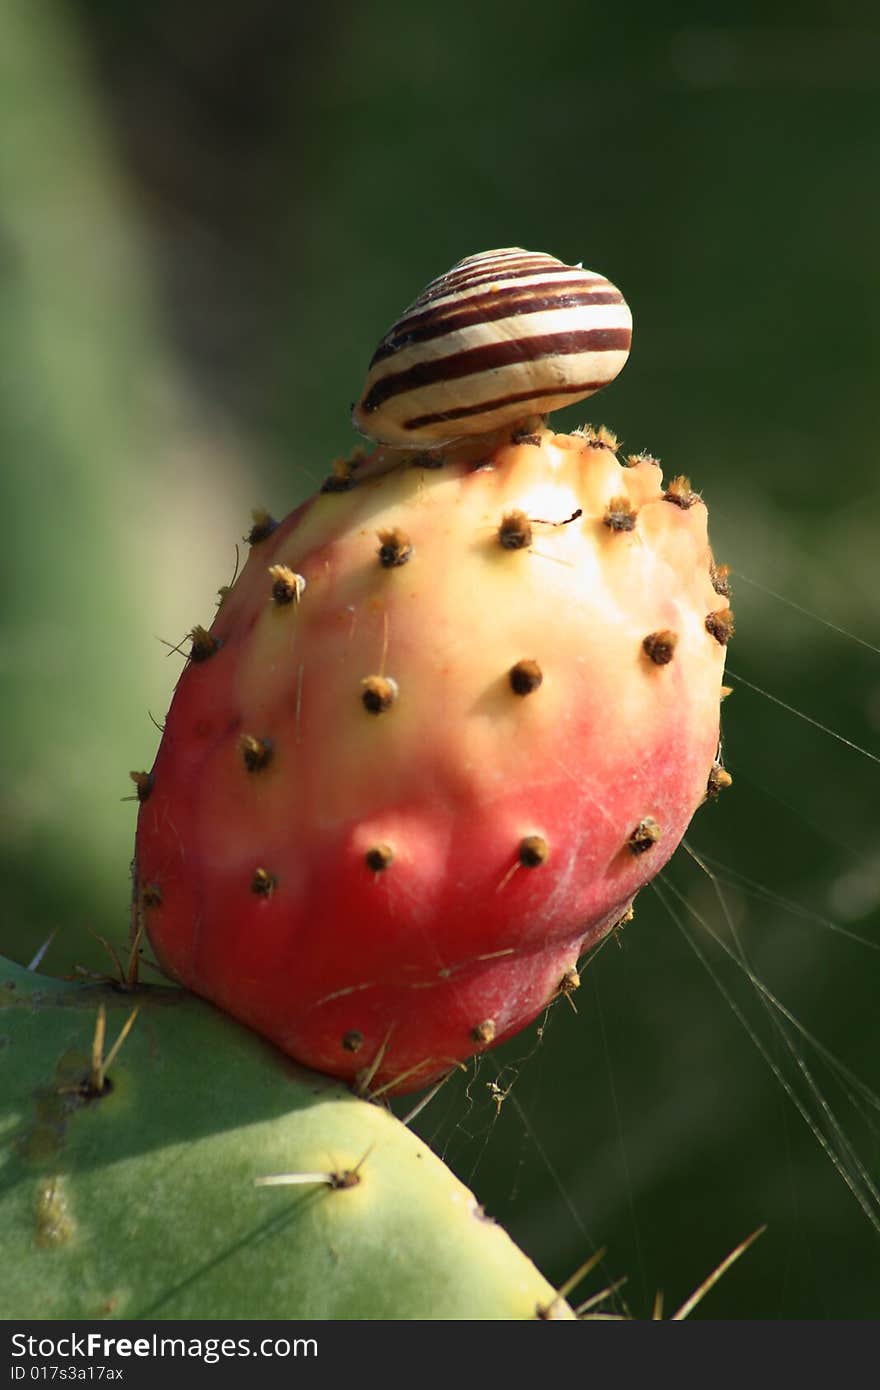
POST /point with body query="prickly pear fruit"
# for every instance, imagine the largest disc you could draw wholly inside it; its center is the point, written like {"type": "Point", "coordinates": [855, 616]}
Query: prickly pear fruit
{"type": "Point", "coordinates": [454, 713]}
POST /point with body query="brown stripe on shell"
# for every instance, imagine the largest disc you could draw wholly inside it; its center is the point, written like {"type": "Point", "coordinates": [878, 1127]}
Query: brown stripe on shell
{"type": "Point", "coordinates": [507, 256]}
{"type": "Point", "coordinates": [475, 281]}
{"type": "Point", "coordinates": [464, 310]}
{"type": "Point", "coordinates": [462, 412]}
{"type": "Point", "coordinates": [523, 280]}
{"type": "Point", "coordinates": [484, 269]}
{"type": "Point", "coordinates": [491, 356]}
{"type": "Point", "coordinates": [487, 308]}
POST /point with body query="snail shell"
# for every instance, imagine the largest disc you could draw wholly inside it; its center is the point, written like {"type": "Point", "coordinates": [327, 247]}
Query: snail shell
{"type": "Point", "coordinates": [501, 336]}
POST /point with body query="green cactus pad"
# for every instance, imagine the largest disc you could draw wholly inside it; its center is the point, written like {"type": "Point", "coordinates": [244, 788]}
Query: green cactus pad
{"type": "Point", "coordinates": [143, 1201]}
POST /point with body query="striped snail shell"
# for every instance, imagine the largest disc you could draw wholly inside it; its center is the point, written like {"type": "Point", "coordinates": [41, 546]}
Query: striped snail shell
{"type": "Point", "coordinates": [501, 336]}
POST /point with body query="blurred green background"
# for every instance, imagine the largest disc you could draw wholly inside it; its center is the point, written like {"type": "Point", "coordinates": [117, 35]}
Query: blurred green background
{"type": "Point", "coordinates": [208, 216]}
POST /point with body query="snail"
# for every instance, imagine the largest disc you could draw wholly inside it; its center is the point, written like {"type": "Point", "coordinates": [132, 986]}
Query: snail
{"type": "Point", "coordinates": [502, 336]}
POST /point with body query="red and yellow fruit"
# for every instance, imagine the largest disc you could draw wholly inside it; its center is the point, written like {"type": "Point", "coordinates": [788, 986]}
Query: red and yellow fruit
{"type": "Point", "coordinates": [453, 714]}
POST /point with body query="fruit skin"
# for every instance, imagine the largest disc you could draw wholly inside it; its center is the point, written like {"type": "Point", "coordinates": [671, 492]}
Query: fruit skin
{"type": "Point", "coordinates": [142, 1202]}
{"type": "Point", "coordinates": [279, 768]}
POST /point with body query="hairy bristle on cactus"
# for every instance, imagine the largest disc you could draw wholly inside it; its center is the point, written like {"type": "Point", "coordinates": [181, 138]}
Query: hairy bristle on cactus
{"type": "Point", "coordinates": [399, 809]}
